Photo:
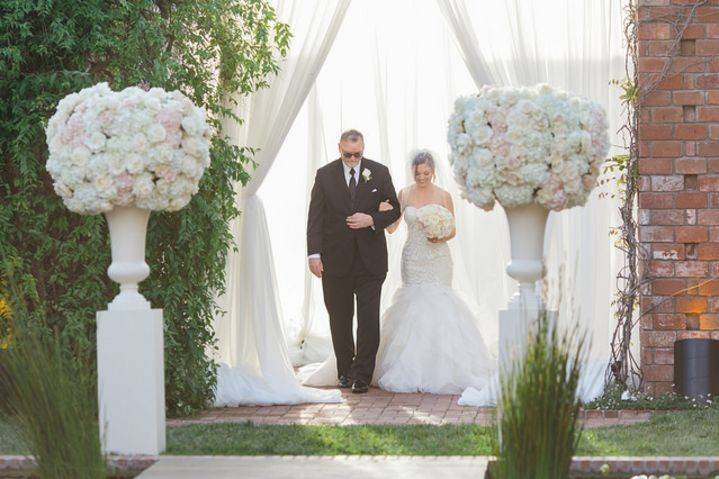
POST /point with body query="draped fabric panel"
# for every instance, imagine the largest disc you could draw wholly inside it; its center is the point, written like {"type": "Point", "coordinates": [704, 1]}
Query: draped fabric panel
{"type": "Point", "coordinates": [393, 72]}
{"type": "Point", "coordinates": [255, 361]}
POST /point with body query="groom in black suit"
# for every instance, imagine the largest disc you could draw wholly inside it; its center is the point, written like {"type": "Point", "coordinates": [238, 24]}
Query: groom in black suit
{"type": "Point", "coordinates": [347, 249]}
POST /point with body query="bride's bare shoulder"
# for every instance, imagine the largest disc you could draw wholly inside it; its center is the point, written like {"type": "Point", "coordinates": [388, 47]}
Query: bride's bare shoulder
{"type": "Point", "coordinates": [446, 198]}
{"type": "Point", "coordinates": [405, 192]}
{"type": "Point", "coordinates": [442, 193]}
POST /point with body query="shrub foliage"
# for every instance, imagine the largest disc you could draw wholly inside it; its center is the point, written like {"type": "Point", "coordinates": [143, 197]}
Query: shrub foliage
{"type": "Point", "coordinates": [49, 48]}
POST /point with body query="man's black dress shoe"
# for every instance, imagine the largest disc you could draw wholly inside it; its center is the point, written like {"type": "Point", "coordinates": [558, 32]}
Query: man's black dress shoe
{"type": "Point", "coordinates": [345, 382]}
{"type": "Point", "coordinates": [360, 387]}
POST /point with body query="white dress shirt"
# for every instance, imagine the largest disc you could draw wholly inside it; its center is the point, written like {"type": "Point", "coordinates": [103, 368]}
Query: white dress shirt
{"type": "Point", "coordinates": [347, 180]}
{"type": "Point", "coordinates": [347, 173]}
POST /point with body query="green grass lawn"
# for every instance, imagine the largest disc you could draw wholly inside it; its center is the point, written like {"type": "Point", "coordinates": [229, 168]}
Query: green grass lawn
{"type": "Point", "coordinates": [329, 440]}
{"type": "Point", "coordinates": [686, 433]}
{"type": "Point", "coordinates": [690, 433]}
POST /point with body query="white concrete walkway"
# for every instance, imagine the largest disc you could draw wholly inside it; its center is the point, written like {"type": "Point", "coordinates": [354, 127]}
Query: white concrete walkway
{"type": "Point", "coordinates": [319, 467]}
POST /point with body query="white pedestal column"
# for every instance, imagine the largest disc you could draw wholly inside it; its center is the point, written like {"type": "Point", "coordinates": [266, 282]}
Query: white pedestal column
{"type": "Point", "coordinates": [526, 232]}
{"type": "Point", "coordinates": [130, 347]}
{"type": "Point", "coordinates": [131, 385]}
{"type": "Point", "coordinates": [515, 328]}
{"type": "Point", "coordinates": [515, 324]}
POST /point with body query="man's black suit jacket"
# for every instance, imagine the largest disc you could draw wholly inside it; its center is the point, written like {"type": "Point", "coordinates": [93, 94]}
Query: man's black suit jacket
{"type": "Point", "coordinates": [331, 204]}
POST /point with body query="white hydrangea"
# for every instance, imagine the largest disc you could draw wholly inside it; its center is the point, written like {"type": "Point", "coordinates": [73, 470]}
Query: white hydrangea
{"type": "Point", "coordinates": [134, 147]}
{"type": "Point", "coordinates": [527, 145]}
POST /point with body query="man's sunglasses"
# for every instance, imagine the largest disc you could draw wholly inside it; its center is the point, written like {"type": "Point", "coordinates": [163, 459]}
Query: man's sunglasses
{"type": "Point", "coordinates": [348, 155]}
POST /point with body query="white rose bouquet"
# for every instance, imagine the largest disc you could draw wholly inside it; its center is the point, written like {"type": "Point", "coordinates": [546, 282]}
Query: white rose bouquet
{"type": "Point", "coordinates": [139, 148]}
{"type": "Point", "coordinates": [527, 145]}
{"type": "Point", "coordinates": [437, 221]}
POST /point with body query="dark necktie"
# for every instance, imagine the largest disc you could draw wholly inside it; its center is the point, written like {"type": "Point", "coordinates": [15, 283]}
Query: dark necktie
{"type": "Point", "coordinates": [353, 184]}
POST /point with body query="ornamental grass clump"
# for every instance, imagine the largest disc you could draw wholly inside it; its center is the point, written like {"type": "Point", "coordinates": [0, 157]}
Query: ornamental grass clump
{"type": "Point", "coordinates": [537, 426]}
{"type": "Point", "coordinates": [51, 401]}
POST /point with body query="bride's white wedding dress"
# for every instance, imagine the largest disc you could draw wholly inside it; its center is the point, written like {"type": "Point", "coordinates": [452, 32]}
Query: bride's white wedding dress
{"type": "Point", "coordinates": [430, 340]}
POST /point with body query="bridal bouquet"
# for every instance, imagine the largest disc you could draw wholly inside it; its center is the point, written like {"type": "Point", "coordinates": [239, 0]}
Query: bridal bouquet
{"type": "Point", "coordinates": [527, 145]}
{"type": "Point", "coordinates": [436, 221]}
{"type": "Point", "coordinates": [139, 148]}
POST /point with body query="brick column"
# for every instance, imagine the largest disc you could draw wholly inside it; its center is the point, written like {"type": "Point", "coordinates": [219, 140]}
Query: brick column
{"type": "Point", "coordinates": [679, 182]}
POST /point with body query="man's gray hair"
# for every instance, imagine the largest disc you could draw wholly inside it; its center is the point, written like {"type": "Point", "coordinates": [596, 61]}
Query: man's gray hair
{"type": "Point", "coordinates": [352, 136]}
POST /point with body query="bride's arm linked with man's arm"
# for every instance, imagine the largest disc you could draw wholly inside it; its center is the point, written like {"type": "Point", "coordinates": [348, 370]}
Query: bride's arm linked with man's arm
{"type": "Point", "coordinates": [386, 206]}
{"type": "Point", "coordinates": [384, 218]}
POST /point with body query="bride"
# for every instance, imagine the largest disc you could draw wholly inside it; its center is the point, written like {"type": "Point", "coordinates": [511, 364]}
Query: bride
{"type": "Point", "coordinates": [430, 340]}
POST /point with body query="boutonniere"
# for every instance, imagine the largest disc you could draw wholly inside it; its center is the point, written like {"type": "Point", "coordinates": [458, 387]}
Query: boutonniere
{"type": "Point", "coordinates": [367, 174]}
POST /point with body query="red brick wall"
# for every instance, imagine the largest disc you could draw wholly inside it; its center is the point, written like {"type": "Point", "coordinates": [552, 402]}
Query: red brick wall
{"type": "Point", "coordinates": [679, 182]}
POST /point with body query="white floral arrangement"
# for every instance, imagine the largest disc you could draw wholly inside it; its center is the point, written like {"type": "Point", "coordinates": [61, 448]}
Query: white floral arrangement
{"type": "Point", "coordinates": [436, 221]}
{"type": "Point", "coordinates": [527, 145]}
{"type": "Point", "coordinates": [139, 148]}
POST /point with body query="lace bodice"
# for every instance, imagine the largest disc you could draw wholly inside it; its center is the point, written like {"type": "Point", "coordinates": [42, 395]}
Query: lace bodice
{"type": "Point", "coordinates": [423, 261]}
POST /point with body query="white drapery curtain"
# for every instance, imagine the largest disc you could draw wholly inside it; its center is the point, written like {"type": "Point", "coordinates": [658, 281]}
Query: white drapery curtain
{"type": "Point", "coordinates": [396, 81]}
{"type": "Point", "coordinates": [252, 349]}
{"type": "Point", "coordinates": [401, 100]}
{"type": "Point", "coordinates": [460, 23]}
{"type": "Point", "coordinates": [575, 45]}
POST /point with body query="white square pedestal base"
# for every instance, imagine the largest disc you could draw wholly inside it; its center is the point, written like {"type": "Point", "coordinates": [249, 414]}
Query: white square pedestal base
{"type": "Point", "coordinates": [515, 325]}
{"type": "Point", "coordinates": [131, 385]}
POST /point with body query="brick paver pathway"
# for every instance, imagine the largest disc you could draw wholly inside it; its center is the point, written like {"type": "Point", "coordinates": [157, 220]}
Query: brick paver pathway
{"type": "Point", "coordinates": [382, 407]}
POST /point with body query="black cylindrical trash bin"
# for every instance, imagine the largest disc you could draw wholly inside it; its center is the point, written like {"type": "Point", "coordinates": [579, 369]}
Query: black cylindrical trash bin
{"type": "Point", "coordinates": [696, 367]}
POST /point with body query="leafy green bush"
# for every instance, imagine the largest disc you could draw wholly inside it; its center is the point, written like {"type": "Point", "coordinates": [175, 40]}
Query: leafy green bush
{"type": "Point", "coordinates": [49, 49]}
{"type": "Point", "coordinates": [538, 408]}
